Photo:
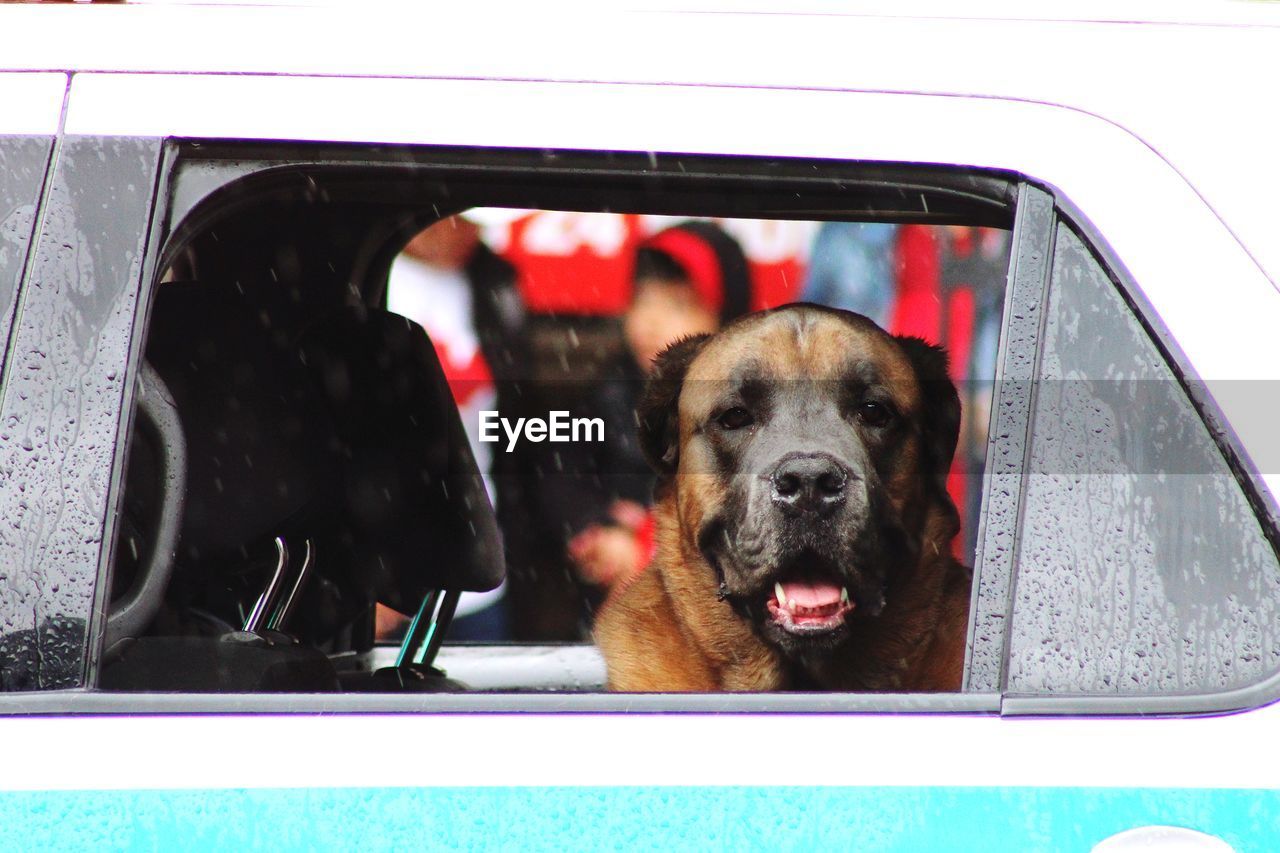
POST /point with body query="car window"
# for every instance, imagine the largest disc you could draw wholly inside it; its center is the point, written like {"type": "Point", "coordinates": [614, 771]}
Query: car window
{"type": "Point", "coordinates": [22, 167]}
{"type": "Point", "coordinates": [23, 161]}
{"type": "Point", "coordinates": [336, 356]}
{"type": "Point", "coordinates": [62, 398]}
{"type": "Point", "coordinates": [1141, 566]}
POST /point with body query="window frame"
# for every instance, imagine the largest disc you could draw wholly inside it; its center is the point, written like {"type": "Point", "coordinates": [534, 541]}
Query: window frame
{"type": "Point", "coordinates": [1016, 360]}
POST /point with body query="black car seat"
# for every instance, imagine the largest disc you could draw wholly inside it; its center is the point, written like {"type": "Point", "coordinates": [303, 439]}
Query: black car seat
{"type": "Point", "coordinates": [337, 441]}
{"type": "Point", "coordinates": [252, 474]}
{"type": "Point", "coordinates": [415, 526]}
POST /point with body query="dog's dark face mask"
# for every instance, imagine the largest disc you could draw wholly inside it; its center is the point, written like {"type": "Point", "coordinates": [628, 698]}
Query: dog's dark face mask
{"type": "Point", "coordinates": [805, 449]}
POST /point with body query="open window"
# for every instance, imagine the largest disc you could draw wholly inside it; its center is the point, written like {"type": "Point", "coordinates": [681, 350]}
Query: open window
{"type": "Point", "coordinates": [309, 506]}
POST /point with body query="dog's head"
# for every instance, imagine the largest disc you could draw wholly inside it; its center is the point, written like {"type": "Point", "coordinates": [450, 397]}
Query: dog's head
{"type": "Point", "coordinates": [805, 451]}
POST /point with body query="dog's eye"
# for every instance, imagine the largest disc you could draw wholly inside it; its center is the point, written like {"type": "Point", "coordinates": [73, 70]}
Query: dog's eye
{"type": "Point", "coordinates": [874, 414]}
{"type": "Point", "coordinates": [735, 418]}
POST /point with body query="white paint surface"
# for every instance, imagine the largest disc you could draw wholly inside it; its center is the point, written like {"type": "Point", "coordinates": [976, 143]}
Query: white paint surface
{"type": "Point", "coordinates": [32, 103]}
{"type": "Point", "coordinates": [1238, 751]}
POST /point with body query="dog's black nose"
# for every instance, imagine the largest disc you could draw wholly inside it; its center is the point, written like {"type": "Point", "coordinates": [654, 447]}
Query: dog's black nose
{"type": "Point", "coordinates": [815, 483]}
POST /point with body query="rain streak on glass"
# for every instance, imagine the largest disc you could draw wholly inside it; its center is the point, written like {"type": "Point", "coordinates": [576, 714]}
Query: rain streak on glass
{"type": "Point", "coordinates": [61, 408]}
{"type": "Point", "coordinates": [1142, 568]}
{"type": "Point", "coordinates": [22, 167]}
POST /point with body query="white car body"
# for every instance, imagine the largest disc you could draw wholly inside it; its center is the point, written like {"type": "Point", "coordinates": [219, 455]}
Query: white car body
{"type": "Point", "coordinates": [1163, 133]}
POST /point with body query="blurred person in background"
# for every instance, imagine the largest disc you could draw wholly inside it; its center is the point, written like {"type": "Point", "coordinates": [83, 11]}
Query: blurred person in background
{"type": "Point", "coordinates": [943, 283]}
{"type": "Point", "coordinates": [853, 266]}
{"type": "Point", "coordinates": [689, 279]}
{"type": "Point", "coordinates": [594, 499]}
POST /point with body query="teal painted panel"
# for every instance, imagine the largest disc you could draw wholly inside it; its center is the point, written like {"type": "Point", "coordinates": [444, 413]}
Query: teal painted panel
{"type": "Point", "coordinates": [664, 818]}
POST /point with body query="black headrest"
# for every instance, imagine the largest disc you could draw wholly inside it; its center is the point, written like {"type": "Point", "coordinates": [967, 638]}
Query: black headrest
{"type": "Point", "coordinates": [343, 432]}
{"type": "Point", "coordinates": [258, 454]}
{"type": "Point", "coordinates": [414, 515]}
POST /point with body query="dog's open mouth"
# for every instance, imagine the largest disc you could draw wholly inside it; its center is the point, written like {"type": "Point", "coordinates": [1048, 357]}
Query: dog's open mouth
{"type": "Point", "coordinates": [809, 607]}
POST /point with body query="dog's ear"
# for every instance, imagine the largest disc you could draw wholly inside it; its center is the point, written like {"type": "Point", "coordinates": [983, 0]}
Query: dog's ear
{"type": "Point", "coordinates": [940, 419]}
{"type": "Point", "coordinates": [657, 411]}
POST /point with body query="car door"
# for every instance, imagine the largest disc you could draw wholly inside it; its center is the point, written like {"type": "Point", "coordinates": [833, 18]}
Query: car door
{"type": "Point", "coordinates": [884, 763]}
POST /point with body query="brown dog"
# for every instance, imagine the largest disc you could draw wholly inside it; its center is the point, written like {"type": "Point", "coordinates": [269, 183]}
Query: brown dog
{"type": "Point", "coordinates": [803, 525]}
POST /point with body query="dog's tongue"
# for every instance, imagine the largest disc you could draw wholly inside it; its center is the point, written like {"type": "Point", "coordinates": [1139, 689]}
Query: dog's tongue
{"type": "Point", "coordinates": [812, 595]}
{"type": "Point", "coordinates": [813, 607]}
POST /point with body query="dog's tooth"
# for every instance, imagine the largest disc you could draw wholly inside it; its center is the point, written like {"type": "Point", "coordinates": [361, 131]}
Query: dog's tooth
{"type": "Point", "coordinates": [844, 595]}
{"type": "Point", "coordinates": [782, 596]}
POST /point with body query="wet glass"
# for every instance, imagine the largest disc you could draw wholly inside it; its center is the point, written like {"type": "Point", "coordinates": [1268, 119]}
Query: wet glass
{"type": "Point", "coordinates": [61, 408]}
{"type": "Point", "coordinates": [1141, 567]}
{"type": "Point", "coordinates": [22, 167]}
